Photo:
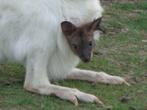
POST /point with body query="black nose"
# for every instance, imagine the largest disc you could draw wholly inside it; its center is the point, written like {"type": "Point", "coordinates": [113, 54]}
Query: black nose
{"type": "Point", "coordinates": [86, 60]}
{"type": "Point", "coordinates": [86, 55]}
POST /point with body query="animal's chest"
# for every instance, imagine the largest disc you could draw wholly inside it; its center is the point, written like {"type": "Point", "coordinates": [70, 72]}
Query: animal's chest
{"type": "Point", "coordinates": [60, 65]}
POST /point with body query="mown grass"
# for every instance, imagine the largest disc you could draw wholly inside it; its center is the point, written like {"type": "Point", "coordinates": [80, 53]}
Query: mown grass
{"type": "Point", "coordinates": [122, 51]}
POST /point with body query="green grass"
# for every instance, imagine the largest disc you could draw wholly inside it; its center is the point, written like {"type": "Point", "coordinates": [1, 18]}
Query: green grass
{"type": "Point", "coordinates": [130, 6]}
{"type": "Point", "coordinates": [123, 52]}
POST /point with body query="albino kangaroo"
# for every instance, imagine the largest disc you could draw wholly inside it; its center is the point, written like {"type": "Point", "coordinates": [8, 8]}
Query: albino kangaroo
{"type": "Point", "coordinates": [49, 37]}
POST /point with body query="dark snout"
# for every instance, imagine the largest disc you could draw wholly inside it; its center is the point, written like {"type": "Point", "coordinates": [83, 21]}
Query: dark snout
{"type": "Point", "coordinates": [86, 60]}
{"type": "Point", "coordinates": [86, 56]}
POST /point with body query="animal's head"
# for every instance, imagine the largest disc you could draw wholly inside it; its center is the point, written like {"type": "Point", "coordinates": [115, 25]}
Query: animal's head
{"type": "Point", "coordinates": [81, 39]}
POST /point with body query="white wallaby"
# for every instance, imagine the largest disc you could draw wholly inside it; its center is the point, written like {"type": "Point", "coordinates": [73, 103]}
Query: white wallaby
{"type": "Point", "coordinates": [36, 34]}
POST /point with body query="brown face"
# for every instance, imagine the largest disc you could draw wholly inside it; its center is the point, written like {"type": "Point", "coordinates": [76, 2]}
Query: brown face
{"type": "Point", "coordinates": [81, 38]}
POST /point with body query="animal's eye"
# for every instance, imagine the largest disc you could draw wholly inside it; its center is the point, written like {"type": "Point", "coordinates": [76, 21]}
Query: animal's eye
{"type": "Point", "coordinates": [74, 46]}
{"type": "Point", "coordinates": [90, 43]}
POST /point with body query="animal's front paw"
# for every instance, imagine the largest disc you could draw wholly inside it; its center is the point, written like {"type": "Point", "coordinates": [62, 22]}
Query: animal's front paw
{"type": "Point", "coordinates": [117, 80]}
{"type": "Point", "coordinates": [73, 95]}
{"type": "Point", "coordinates": [70, 94]}
{"type": "Point", "coordinates": [110, 79]}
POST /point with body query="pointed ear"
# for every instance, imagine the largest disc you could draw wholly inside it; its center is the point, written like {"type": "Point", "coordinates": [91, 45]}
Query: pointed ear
{"type": "Point", "coordinates": [68, 28]}
{"type": "Point", "coordinates": [95, 25]}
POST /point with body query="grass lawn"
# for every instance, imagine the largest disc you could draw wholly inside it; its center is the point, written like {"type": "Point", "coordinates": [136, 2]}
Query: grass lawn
{"type": "Point", "coordinates": [122, 51]}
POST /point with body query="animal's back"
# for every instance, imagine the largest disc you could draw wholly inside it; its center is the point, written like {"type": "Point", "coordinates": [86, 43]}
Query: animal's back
{"type": "Point", "coordinates": [20, 20]}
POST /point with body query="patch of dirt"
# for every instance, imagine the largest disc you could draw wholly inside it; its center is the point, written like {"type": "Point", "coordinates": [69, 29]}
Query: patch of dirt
{"type": "Point", "coordinates": [133, 108]}
{"type": "Point", "coordinates": [121, 1]}
{"type": "Point", "coordinates": [9, 82]}
{"type": "Point", "coordinates": [18, 108]}
{"type": "Point", "coordinates": [125, 99]}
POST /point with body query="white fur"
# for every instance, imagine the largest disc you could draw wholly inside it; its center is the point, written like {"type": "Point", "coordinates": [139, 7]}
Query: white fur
{"type": "Point", "coordinates": [30, 27]}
